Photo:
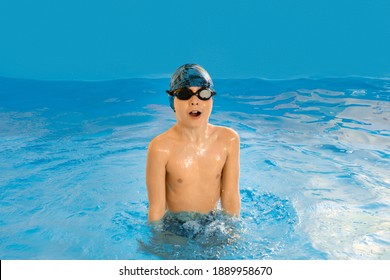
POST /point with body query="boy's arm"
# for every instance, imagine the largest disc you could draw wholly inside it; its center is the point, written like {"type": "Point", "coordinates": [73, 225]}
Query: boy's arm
{"type": "Point", "coordinates": [155, 180]}
{"type": "Point", "coordinates": [230, 193]}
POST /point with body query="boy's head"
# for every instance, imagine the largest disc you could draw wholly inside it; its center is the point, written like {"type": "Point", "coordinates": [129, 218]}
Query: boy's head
{"type": "Point", "coordinates": [189, 75]}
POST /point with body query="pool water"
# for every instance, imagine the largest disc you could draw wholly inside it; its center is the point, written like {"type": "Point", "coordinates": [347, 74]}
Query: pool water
{"type": "Point", "coordinates": [315, 174]}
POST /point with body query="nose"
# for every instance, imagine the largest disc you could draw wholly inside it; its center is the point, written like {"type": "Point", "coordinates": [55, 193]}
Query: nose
{"type": "Point", "coordinates": [194, 100]}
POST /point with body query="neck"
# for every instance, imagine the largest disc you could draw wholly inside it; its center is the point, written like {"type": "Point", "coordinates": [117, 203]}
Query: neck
{"type": "Point", "coordinates": [193, 134]}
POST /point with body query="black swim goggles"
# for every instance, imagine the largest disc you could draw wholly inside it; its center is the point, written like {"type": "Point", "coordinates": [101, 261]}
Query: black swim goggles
{"type": "Point", "coordinates": [186, 93]}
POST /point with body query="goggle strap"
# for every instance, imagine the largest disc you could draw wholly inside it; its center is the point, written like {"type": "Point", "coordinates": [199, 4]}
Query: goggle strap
{"type": "Point", "coordinates": [170, 92]}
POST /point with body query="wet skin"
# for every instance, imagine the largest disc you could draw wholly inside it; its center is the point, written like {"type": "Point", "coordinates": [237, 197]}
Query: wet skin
{"type": "Point", "coordinates": [194, 164]}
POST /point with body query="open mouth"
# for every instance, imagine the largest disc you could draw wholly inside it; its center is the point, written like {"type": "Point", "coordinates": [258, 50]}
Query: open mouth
{"type": "Point", "coordinates": [195, 113]}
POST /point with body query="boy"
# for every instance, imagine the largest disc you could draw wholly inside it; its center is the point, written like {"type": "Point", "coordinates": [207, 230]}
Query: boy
{"type": "Point", "coordinates": [194, 164]}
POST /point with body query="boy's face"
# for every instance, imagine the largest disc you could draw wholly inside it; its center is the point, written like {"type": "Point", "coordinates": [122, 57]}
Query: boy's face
{"type": "Point", "coordinates": [193, 112]}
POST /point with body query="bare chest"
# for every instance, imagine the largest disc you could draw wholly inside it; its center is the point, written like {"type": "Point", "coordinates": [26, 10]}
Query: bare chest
{"type": "Point", "coordinates": [191, 163]}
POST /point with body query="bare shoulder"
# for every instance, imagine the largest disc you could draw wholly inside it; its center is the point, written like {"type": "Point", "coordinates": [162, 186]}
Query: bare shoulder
{"type": "Point", "coordinates": [227, 135]}
{"type": "Point", "coordinates": [161, 143]}
{"type": "Point", "coordinates": [227, 132]}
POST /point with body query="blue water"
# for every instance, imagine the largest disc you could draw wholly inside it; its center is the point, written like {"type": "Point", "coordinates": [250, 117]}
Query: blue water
{"type": "Point", "coordinates": [315, 179]}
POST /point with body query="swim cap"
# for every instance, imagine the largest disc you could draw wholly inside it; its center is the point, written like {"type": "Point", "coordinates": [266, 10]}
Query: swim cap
{"type": "Point", "coordinates": [189, 75]}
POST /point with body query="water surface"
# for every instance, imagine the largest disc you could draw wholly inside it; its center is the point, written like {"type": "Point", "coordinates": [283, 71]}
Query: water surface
{"type": "Point", "coordinates": [314, 171]}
